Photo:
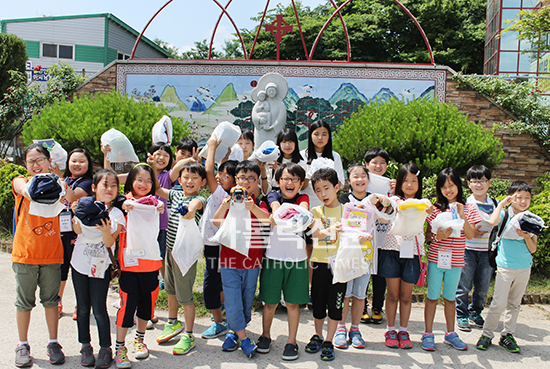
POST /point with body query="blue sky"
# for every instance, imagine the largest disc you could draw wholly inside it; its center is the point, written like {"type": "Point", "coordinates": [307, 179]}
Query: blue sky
{"type": "Point", "coordinates": [181, 23]}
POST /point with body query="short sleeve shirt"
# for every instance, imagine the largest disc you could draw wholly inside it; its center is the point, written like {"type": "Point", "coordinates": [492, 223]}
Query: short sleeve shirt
{"type": "Point", "coordinates": [207, 227]}
{"type": "Point", "coordinates": [325, 248]}
{"type": "Point", "coordinates": [165, 182]}
{"type": "Point", "coordinates": [175, 198]}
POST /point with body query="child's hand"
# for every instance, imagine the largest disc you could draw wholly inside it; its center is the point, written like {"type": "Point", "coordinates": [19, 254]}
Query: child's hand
{"type": "Point", "coordinates": [430, 209]}
{"type": "Point", "coordinates": [126, 206]}
{"type": "Point", "coordinates": [105, 149]}
{"type": "Point", "coordinates": [337, 227]}
{"type": "Point", "coordinates": [195, 155]}
{"type": "Point", "coordinates": [392, 186]}
{"type": "Point", "coordinates": [55, 170]}
{"type": "Point", "coordinates": [478, 233]}
{"type": "Point", "coordinates": [460, 210]}
{"type": "Point", "coordinates": [74, 204]}
{"type": "Point", "coordinates": [443, 234]}
{"type": "Point", "coordinates": [105, 226]}
{"type": "Point", "coordinates": [249, 204]}
{"type": "Point", "coordinates": [160, 207]}
{"type": "Point", "coordinates": [226, 203]}
{"type": "Point", "coordinates": [226, 157]}
{"type": "Point", "coordinates": [507, 200]}
{"type": "Point", "coordinates": [272, 220]}
{"type": "Point", "coordinates": [274, 165]}
{"type": "Point", "coordinates": [190, 215]}
{"type": "Point", "coordinates": [262, 168]}
{"type": "Point", "coordinates": [365, 237]}
{"type": "Point", "coordinates": [212, 142]}
{"type": "Point", "coordinates": [523, 234]}
{"type": "Point", "coordinates": [151, 161]}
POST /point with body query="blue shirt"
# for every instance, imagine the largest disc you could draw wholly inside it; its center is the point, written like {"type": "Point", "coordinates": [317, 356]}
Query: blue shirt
{"type": "Point", "coordinates": [513, 254]}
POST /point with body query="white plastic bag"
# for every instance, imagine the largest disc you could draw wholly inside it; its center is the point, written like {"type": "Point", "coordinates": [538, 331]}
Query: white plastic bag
{"type": "Point", "coordinates": [445, 220]}
{"type": "Point", "coordinates": [513, 225]}
{"type": "Point", "coordinates": [142, 232]}
{"type": "Point", "coordinates": [188, 244]}
{"type": "Point", "coordinates": [236, 153]}
{"type": "Point", "coordinates": [268, 152]}
{"type": "Point", "coordinates": [235, 230]}
{"type": "Point", "coordinates": [57, 153]}
{"type": "Point", "coordinates": [374, 198]}
{"type": "Point", "coordinates": [290, 225]}
{"type": "Point", "coordinates": [227, 135]}
{"type": "Point", "coordinates": [410, 218]}
{"type": "Point", "coordinates": [352, 259]}
{"type": "Point", "coordinates": [317, 164]}
{"type": "Point", "coordinates": [122, 150]}
{"type": "Point", "coordinates": [378, 184]}
{"type": "Point", "coordinates": [162, 131]}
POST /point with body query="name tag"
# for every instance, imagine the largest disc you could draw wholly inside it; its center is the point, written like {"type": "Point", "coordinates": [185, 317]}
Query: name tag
{"type": "Point", "coordinates": [406, 250]}
{"type": "Point", "coordinates": [444, 259]}
{"type": "Point", "coordinates": [129, 261]}
{"type": "Point", "coordinates": [65, 222]}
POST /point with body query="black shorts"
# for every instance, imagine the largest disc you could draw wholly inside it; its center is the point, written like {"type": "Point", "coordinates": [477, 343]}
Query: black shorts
{"type": "Point", "coordinates": [138, 294]}
{"type": "Point", "coordinates": [325, 294]}
{"type": "Point", "coordinates": [67, 239]}
{"type": "Point", "coordinates": [212, 284]}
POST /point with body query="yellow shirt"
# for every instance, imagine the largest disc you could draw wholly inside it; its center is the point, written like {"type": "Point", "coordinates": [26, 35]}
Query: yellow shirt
{"type": "Point", "coordinates": [324, 218]}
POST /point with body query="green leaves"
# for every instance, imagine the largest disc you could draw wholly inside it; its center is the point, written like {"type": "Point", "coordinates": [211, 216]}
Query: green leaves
{"type": "Point", "coordinates": [432, 135]}
{"type": "Point", "coordinates": [82, 122]}
{"type": "Point", "coordinates": [7, 173]}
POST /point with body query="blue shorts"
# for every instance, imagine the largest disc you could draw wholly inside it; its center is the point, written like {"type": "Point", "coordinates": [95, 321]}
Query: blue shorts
{"type": "Point", "coordinates": [448, 278]}
{"type": "Point", "coordinates": [358, 287]}
{"type": "Point", "coordinates": [390, 265]}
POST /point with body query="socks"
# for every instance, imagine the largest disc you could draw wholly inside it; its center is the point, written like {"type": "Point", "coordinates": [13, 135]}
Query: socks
{"type": "Point", "coordinates": [188, 333]}
{"type": "Point", "coordinates": [54, 340]}
{"type": "Point", "coordinates": [86, 345]}
{"type": "Point", "coordinates": [172, 321]}
{"type": "Point", "coordinates": [22, 343]}
{"type": "Point", "coordinates": [341, 327]}
{"type": "Point", "coordinates": [119, 345]}
{"type": "Point", "coordinates": [354, 328]}
{"type": "Point", "coordinates": [140, 336]}
{"type": "Point", "coordinates": [391, 328]}
{"type": "Point", "coordinates": [448, 333]}
{"type": "Point", "coordinates": [402, 329]}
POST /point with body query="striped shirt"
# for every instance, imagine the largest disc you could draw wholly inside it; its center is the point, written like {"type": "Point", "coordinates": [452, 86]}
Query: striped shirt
{"type": "Point", "coordinates": [175, 198]}
{"type": "Point", "coordinates": [454, 244]}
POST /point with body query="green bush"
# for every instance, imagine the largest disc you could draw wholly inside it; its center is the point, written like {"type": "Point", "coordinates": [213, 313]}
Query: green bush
{"type": "Point", "coordinates": [431, 134]}
{"type": "Point", "coordinates": [540, 205]}
{"type": "Point", "coordinates": [82, 122]}
{"type": "Point", "coordinates": [7, 173]}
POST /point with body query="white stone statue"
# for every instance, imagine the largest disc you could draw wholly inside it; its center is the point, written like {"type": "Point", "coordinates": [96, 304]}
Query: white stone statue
{"type": "Point", "coordinates": [269, 112]}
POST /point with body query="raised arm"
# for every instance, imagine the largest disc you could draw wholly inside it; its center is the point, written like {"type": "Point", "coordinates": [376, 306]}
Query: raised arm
{"type": "Point", "coordinates": [210, 164]}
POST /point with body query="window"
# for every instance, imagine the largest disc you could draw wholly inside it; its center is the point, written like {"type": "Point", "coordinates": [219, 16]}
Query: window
{"type": "Point", "coordinates": [57, 51]}
{"type": "Point", "coordinates": [123, 56]}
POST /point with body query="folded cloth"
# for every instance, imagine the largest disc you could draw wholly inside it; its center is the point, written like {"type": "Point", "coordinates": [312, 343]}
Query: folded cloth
{"type": "Point", "coordinates": [91, 212]}
{"type": "Point", "coordinates": [148, 200]}
{"type": "Point", "coordinates": [182, 209]}
{"type": "Point", "coordinates": [531, 223]}
{"type": "Point", "coordinates": [44, 188]}
{"type": "Point", "coordinates": [289, 213]}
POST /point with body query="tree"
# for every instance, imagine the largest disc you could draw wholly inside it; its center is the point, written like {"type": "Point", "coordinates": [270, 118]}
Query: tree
{"type": "Point", "coordinates": [531, 25]}
{"type": "Point", "coordinates": [13, 56]}
{"type": "Point", "coordinates": [200, 51]}
{"type": "Point", "coordinates": [172, 50]}
{"type": "Point", "coordinates": [380, 31]}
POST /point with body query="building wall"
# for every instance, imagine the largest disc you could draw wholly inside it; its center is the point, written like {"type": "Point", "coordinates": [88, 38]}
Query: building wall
{"type": "Point", "coordinates": [123, 41]}
{"type": "Point", "coordinates": [525, 159]}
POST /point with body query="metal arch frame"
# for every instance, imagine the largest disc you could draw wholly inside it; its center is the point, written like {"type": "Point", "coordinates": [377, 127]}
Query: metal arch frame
{"type": "Point", "coordinates": [308, 57]}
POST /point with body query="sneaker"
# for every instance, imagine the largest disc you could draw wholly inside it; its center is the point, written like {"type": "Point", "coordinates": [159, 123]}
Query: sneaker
{"type": "Point", "coordinates": [509, 343]}
{"type": "Point", "coordinates": [23, 358]}
{"type": "Point", "coordinates": [264, 345]}
{"type": "Point", "coordinates": [170, 331]}
{"type": "Point", "coordinates": [104, 358]}
{"type": "Point", "coordinates": [356, 339]}
{"type": "Point", "coordinates": [151, 323]}
{"type": "Point", "coordinates": [121, 358]}
{"type": "Point", "coordinates": [290, 352]}
{"type": "Point", "coordinates": [476, 320]}
{"type": "Point", "coordinates": [231, 342]}
{"type": "Point", "coordinates": [404, 340]}
{"type": "Point", "coordinates": [248, 346]}
{"type": "Point", "coordinates": [87, 356]}
{"type": "Point", "coordinates": [365, 318]}
{"type": "Point", "coordinates": [161, 285]}
{"type": "Point", "coordinates": [185, 344]}
{"type": "Point", "coordinates": [463, 324]}
{"type": "Point", "coordinates": [53, 350]}
{"type": "Point", "coordinates": [483, 343]}
{"type": "Point", "coordinates": [74, 313]}
{"type": "Point", "coordinates": [140, 349]}
{"type": "Point", "coordinates": [391, 339]}
{"type": "Point", "coordinates": [453, 340]}
{"type": "Point", "coordinates": [327, 351]}
{"type": "Point", "coordinates": [314, 344]}
{"type": "Point", "coordinates": [215, 330]}
{"type": "Point", "coordinates": [376, 316]}
{"type": "Point", "coordinates": [428, 342]}
{"type": "Point", "coordinates": [340, 339]}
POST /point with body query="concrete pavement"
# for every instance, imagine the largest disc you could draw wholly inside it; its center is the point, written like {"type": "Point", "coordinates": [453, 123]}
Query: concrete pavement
{"type": "Point", "coordinates": [533, 335]}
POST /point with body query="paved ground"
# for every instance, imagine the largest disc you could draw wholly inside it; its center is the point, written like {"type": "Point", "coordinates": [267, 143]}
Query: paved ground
{"type": "Point", "coordinates": [533, 336]}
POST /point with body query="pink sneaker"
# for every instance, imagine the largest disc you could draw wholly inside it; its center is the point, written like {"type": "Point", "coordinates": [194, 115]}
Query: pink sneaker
{"type": "Point", "coordinates": [391, 339]}
{"type": "Point", "coordinates": [404, 340]}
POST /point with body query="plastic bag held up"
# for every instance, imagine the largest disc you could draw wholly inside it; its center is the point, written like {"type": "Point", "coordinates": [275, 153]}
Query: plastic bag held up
{"type": "Point", "coordinates": [235, 230]}
{"type": "Point", "coordinates": [268, 152]}
{"type": "Point", "coordinates": [445, 220]}
{"type": "Point", "coordinates": [227, 134]}
{"type": "Point", "coordinates": [188, 244]}
{"type": "Point", "coordinates": [59, 156]}
{"type": "Point", "coordinates": [142, 230]}
{"type": "Point", "coordinates": [122, 150]}
{"type": "Point", "coordinates": [294, 222]}
{"type": "Point", "coordinates": [410, 217]}
{"type": "Point", "coordinates": [317, 164]}
{"type": "Point", "coordinates": [351, 259]}
{"type": "Point", "coordinates": [162, 131]}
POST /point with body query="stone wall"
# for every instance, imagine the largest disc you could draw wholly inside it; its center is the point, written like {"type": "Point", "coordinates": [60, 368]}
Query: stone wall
{"type": "Point", "coordinates": [525, 158]}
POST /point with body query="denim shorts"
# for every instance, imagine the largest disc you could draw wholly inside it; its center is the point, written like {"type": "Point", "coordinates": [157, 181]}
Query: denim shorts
{"type": "Point", "coordinates": [446, 278]}
{"type": "Point", "coordinates": [390, 265]}
{"type": "Point", "coordinates": [358, 287]}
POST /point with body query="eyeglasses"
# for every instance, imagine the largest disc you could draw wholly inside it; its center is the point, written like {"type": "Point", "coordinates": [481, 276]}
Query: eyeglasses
{"type": "Point", "coordinates": [293, 180]}
{"type": "Point", "coordinates": [142, 182]}
{"type": "Point", "coordinates": [248, 179]}
{"type": "Point", "coordinates": [481, 182]}
{"type": "Point", "coordinates": [38, 161]}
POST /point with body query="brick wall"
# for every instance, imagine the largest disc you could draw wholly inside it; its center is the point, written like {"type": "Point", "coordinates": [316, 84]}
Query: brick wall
{"type": "Point", "coordinates": [525, 158]}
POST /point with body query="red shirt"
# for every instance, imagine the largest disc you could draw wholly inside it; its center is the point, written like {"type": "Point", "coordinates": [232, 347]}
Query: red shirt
{"type": "Point", "coordinates": [230, 258]}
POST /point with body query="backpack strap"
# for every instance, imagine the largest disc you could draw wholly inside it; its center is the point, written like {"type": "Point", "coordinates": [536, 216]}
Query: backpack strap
{"type": "Point", "coordinates": [503, 224]}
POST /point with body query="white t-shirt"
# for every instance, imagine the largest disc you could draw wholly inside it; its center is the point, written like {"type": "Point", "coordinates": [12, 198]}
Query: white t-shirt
{"type": "Point", "coordinates": [313, 199]}
{"type": "Point", "coordinates": [90, 251]}
{"type": "Point", "coordinates": [481, 243]}
{"type": "Point", "coordinates": [207, 227]}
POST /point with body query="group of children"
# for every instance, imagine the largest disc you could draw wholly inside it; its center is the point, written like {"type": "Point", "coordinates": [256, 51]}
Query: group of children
{"type": "Point", "coordinates": [292, 267]}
